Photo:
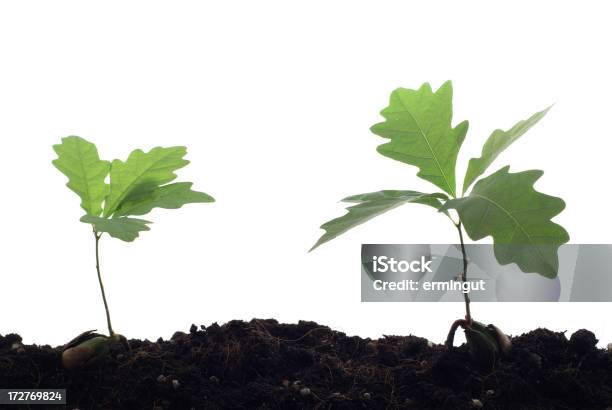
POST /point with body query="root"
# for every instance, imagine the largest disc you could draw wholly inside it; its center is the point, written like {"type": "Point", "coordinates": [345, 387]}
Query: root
{"type": "Point", "coordinates": [450, 339]}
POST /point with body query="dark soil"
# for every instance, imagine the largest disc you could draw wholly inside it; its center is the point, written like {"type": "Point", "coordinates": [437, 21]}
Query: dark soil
{"type": "Point", "coordinates": [266, 365]}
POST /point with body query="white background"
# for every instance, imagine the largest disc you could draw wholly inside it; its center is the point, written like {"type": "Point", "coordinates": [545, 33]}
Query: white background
{"type": "Point", "coordinates": [274, 101]}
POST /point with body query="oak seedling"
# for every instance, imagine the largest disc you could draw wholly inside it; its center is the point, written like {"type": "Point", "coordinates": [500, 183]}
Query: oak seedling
{"type": "Point", "coordinates": [135, 187]}
{"type": "Point", "coordinates": [503, 205]}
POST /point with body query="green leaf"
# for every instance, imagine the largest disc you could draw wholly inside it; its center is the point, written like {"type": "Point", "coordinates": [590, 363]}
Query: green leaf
{"type": "Point", "coordinates": [171, 196]}
{"type": "Point", "coordinates": [78, 159]}
{"type": "Point", "coordinates": [508, 208]}
{"type": "Point", "coordinates": [496, 144]}
{"type": "Point", "coordinates": [141, 173]}
{"type": "Point", "coordinates": [418, 124]}
{"type": "Point", "coordinates": [126, 229]}
{"type": "Point", "coordinates": [373, 204]}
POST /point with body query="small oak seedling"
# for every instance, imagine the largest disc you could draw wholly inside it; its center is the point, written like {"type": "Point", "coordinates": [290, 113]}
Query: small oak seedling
{"type": "Point", "coordinates": [503, 205]}
{"type": "Point", "coordinates": [135, 187]}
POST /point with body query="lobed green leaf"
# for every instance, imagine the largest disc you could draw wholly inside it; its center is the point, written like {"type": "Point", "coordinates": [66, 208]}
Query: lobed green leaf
{"type": "Point", "coordinates": [507, 207]}
{"type": "Point", "coordinates": [171, 196]}
{"type": "Point", "coordinates": [418, 125]}
{"type": "Point", "coordinates": [126, 229]}
{"type": "Point", "coordinates": [373, 204]}
{"type": "Point", "coordinates": [78, 159]}
{"type": "Point", "coordinates": [141, 174]}
{"type": "Point", "coordinates": [497, 142]}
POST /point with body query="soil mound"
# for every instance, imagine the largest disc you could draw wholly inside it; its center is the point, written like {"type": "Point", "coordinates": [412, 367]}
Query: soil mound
{"type": "Point", "coordinates": [266, 365]}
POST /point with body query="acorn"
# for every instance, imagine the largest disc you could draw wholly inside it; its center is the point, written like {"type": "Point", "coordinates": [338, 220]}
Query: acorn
{"type": "Point", "coordinates": [88, 348]}
{"type": "Point", "coordinates": [503, 341]}
{"type": "Point", "coordinates": [487, 342]}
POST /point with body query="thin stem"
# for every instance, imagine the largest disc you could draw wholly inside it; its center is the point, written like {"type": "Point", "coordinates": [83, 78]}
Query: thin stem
{"type": "Point", "coordinates": [108, 320]}
{"type": "Point", "coordinates": [467, 322]}
{"type": "Point", "coordinates": [466, 297]}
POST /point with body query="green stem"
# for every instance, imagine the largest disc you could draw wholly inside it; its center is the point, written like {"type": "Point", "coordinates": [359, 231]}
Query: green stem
{"type": "Point", "coordinates": [466, 297]}
{"type": "Point", "coordinates": [467, 322]}
{"type": "Point", "coordinates": [108, 320]}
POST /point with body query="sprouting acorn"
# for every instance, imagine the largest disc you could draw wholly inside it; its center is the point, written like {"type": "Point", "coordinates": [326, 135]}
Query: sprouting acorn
{"type": "Point", "coordinates": [486, 342]}
{"type": "Point", "coordinates": [88, 348]}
